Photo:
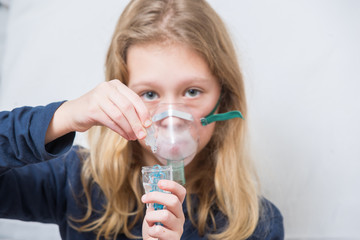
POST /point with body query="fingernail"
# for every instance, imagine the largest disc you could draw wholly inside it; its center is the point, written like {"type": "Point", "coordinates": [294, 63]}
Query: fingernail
{"type": "Point", "coordinates": [141, 134]}
{"type": "Point", "coordinates": [143, 198]}
{"type": "Point", "coordinates": [147, 123]}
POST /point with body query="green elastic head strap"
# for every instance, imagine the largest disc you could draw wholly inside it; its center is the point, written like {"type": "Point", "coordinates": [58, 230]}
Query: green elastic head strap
{"type": "Point", "coordinates": [211, 117]}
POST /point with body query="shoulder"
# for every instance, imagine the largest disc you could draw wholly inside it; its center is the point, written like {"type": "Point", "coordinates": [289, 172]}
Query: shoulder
{"type": "Point", "coordinates": [270, 225]}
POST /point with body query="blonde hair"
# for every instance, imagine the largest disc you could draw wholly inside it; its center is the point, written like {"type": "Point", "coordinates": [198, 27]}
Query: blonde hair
{"type": "Point", "coordinates": [224, 179]}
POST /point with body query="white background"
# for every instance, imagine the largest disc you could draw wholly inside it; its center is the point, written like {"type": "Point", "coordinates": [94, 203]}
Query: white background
{"type": "Point", "coordinates": [301, 61]}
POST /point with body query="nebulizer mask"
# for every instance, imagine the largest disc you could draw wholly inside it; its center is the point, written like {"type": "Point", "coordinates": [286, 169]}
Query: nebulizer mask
{"type": "Point", "coordinates": [174, 138]}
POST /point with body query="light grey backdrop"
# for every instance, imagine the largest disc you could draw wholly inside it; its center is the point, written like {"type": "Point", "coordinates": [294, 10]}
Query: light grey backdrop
{"type": "Point", "coordinates": [301, 62]}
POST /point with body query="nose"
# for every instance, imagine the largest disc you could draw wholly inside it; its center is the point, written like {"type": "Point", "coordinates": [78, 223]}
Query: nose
{"type": "Point", "coordinates": [173, 123]}
{"type": "Point", "coordinates": [172, 98]}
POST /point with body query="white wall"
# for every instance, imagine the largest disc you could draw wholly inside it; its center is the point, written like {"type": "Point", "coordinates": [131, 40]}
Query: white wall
{"type": "Point", "coordinates": [300, 60]}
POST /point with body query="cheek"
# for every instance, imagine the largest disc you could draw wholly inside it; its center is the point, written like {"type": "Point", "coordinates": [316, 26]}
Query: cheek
{"type": "Point", "coordinates": [205, 134]}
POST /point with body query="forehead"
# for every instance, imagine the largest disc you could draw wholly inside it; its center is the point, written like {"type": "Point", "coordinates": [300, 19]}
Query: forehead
{"type": "Point", "coordinates": [153, 63]}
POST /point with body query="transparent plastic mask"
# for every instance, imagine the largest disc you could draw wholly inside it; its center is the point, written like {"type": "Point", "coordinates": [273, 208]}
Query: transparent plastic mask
{"type": "Point", "coordinates": [173, 137]}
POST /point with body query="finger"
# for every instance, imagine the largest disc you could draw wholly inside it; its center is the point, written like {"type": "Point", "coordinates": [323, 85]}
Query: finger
{"type": "Point", "coordinates": [138, 104]}
{"type": "Point", "coordinates": [173, 187]}
{"type": "Point", "coordinates": [105, 105]}
{"type": "Point", "coordinates": [121, 100]}
{"type": "Point", "coordinates": [105, 120]}
{"type": "Point", "coordinates": [118, 121]}
{"type": "Point", "coordinates": [162, 233]}
{"type": "Point", "coordinates": [167, 218]}
{"type": "Point", "coordinates": [149, 209]}
{"type": "Point", "coordinates": [117, 116]}
{"type": "Point", "coordinates": [171, 201]}
{"type": "Point", "coordinates": [128, 111]}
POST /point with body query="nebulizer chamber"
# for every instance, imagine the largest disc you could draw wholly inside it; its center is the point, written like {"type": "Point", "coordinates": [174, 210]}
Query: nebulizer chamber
{"type": "Point", "coordinates": [173, 137]}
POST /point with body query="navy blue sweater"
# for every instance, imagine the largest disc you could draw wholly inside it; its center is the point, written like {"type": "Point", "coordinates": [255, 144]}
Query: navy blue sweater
{"type": "Point", "coordinates": [41, 182]}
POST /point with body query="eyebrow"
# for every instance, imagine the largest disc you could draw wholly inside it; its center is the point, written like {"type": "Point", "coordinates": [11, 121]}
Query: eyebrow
{"type": "Point", "coordinates": [153, 82]}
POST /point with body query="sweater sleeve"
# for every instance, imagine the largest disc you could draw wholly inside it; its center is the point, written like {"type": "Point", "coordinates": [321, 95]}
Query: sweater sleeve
{"type": "Point", "coordinates": [22, 137]}
{"type": "Point", "coordinates": [40, 192]}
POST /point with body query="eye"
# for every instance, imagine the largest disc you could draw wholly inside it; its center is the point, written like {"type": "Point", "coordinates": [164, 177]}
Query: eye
{"type": "Point", "coordinates": [192, 92]}
{"type": "Point", "coordinates": [149, 96]}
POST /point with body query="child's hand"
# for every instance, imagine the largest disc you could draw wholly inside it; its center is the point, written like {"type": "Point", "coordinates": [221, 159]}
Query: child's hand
{"type": "Point", "coordinates": [111, 104]}
{"type": "Point", "coordinates": [171, 217]}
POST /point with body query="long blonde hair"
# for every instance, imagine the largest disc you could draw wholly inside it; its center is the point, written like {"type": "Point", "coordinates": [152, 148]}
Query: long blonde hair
{"type": "Point", "coordinates": [224, 179]}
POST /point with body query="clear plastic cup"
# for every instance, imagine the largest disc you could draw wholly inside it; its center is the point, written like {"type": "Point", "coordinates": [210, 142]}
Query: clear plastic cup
{"type": "Point", "coordinates": [150, 178]}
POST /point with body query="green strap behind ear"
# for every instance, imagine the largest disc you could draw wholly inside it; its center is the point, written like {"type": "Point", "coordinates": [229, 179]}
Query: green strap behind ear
{"type": "Point", "coordinates": [211, 117]}
{"type": "Point", "coordinates": [214, 109]}
{"type": "Point", "coordinates": [221, 117]}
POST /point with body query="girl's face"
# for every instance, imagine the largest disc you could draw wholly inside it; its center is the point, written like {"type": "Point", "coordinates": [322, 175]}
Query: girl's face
{"type": "Point", "coordinates": [173, 73]}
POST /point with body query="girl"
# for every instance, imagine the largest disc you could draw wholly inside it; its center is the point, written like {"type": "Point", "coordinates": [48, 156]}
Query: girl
{"type": "Point", "coordinates": [161, 51]}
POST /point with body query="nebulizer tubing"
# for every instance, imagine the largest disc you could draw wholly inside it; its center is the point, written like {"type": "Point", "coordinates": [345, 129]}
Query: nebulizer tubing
{"type": "Point", "coordinates": [178, 170]}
